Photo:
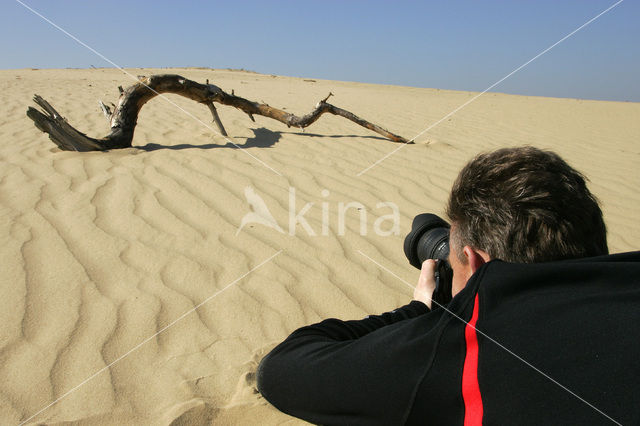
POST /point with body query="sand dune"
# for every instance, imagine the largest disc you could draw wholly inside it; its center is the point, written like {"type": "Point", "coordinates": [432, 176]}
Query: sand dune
{"type": "Point", "coordinates": [101, 251]}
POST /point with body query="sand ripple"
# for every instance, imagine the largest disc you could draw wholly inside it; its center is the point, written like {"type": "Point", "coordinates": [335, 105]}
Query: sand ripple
{"type": "Point", "coordinates": [101, 251]}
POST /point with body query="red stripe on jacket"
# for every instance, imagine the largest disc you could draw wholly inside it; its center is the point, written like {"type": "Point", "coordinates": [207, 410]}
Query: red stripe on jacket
{"type": "Point", "coordinates": [470, 385]}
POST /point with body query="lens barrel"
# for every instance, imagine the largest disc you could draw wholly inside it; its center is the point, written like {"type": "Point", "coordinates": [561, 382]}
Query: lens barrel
{"type": "Point", "coordinates": [428, 239]}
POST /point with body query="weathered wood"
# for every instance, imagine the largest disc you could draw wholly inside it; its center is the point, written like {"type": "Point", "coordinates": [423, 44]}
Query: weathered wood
{"type": "Point", "coordinates": [61, 133]}
{"type": "Point", "coordinates": [105, 110]}
{"type": "Point", "coordinates": [124, 117]}
{"type": "Point", "coordinates": [216, 118]}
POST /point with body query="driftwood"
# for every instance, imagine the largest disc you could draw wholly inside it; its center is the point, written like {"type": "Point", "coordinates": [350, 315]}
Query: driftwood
{"type": "Point", "coordinates": [124, 116]}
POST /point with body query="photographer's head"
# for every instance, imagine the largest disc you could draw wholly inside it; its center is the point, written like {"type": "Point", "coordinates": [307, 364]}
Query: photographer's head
{"type": "Point", "coordinates": [521, 205]}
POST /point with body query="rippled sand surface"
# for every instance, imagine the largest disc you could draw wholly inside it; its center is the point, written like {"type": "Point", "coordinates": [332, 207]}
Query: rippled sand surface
{"type": "Point", "coordinates": [106, 255]}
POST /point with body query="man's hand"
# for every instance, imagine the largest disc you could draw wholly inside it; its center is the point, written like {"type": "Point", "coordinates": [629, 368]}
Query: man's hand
{"type": "Point", "coordinates": [426, 283]}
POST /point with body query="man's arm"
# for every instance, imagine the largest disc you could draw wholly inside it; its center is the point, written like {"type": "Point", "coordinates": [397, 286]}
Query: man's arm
{"type": "Point", "coordinates": [349, 372]}
{"type": "Point", "coordinates": [338, 330]}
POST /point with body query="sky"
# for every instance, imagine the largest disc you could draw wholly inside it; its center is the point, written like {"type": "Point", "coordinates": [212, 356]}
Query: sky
{"type": "Point", "coordinates": [456, 44]}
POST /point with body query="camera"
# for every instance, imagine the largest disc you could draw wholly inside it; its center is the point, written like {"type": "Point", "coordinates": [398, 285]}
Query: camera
{"type": "Point", "coordinates": [429, 239]}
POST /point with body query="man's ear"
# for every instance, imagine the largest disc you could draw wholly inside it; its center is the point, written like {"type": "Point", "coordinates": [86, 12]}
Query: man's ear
{"type": "Point", "coordinates": [475, 258]}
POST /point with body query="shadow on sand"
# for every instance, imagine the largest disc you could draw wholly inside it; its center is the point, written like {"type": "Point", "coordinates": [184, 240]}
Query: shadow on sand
{"type": "Point", "coordinates": [262, 138]}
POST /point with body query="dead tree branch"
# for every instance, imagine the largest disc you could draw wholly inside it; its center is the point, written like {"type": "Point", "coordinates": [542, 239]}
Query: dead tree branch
{"type": "Point", "coordinates": [123, 118]}
{"type": "Point", "coordinates": [105, 110]}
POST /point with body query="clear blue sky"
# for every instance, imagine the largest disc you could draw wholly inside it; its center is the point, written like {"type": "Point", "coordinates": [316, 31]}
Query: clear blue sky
{"type": "Point", "coordinates": [461, 45]}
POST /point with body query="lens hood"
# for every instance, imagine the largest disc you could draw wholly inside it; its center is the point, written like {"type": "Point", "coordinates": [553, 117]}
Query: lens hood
{"type": "Point", "coordinates": [422, 224]}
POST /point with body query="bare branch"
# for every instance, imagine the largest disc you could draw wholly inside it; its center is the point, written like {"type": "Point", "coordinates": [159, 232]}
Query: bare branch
{"type": "Point", "coordinates": [105, 110]}
{"type": "Point", "coordinates": [216, 118]}
{"type": "Point", "coordinates": [124, 117]}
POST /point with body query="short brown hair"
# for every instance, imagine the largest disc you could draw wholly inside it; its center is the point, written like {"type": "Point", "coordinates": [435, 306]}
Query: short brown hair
{"type": "Point", "coordinates": [525, 205]}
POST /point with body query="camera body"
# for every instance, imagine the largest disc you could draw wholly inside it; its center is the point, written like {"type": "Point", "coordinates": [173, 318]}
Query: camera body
{"type": "Point", "coordinates": [429, 239]}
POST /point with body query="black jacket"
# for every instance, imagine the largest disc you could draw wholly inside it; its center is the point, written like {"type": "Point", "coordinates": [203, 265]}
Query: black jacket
{"type": "Point", "coordinates": [553, 343]}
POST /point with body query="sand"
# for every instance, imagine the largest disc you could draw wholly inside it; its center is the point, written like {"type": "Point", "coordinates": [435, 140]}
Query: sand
{"type": "Point", "coordinates": [101, 251]}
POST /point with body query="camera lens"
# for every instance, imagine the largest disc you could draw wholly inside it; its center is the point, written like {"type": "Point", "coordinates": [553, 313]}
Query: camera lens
{"type": "Point", "coordinates": [428, 239]}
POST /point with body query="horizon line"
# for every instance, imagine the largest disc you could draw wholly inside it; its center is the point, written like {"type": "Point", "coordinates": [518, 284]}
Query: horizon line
{"type": "Point", "coordinates": [248, 71]}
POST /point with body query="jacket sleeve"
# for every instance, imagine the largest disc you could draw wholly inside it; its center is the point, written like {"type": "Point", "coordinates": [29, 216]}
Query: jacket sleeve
{"type": "Point", "coordinates": [342, 372]}
{"type": "Point", "coordinates": [337, 330]}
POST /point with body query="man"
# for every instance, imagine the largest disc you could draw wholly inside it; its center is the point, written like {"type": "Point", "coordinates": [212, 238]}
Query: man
{"type": "Point", "coordinates": [542, 328]}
